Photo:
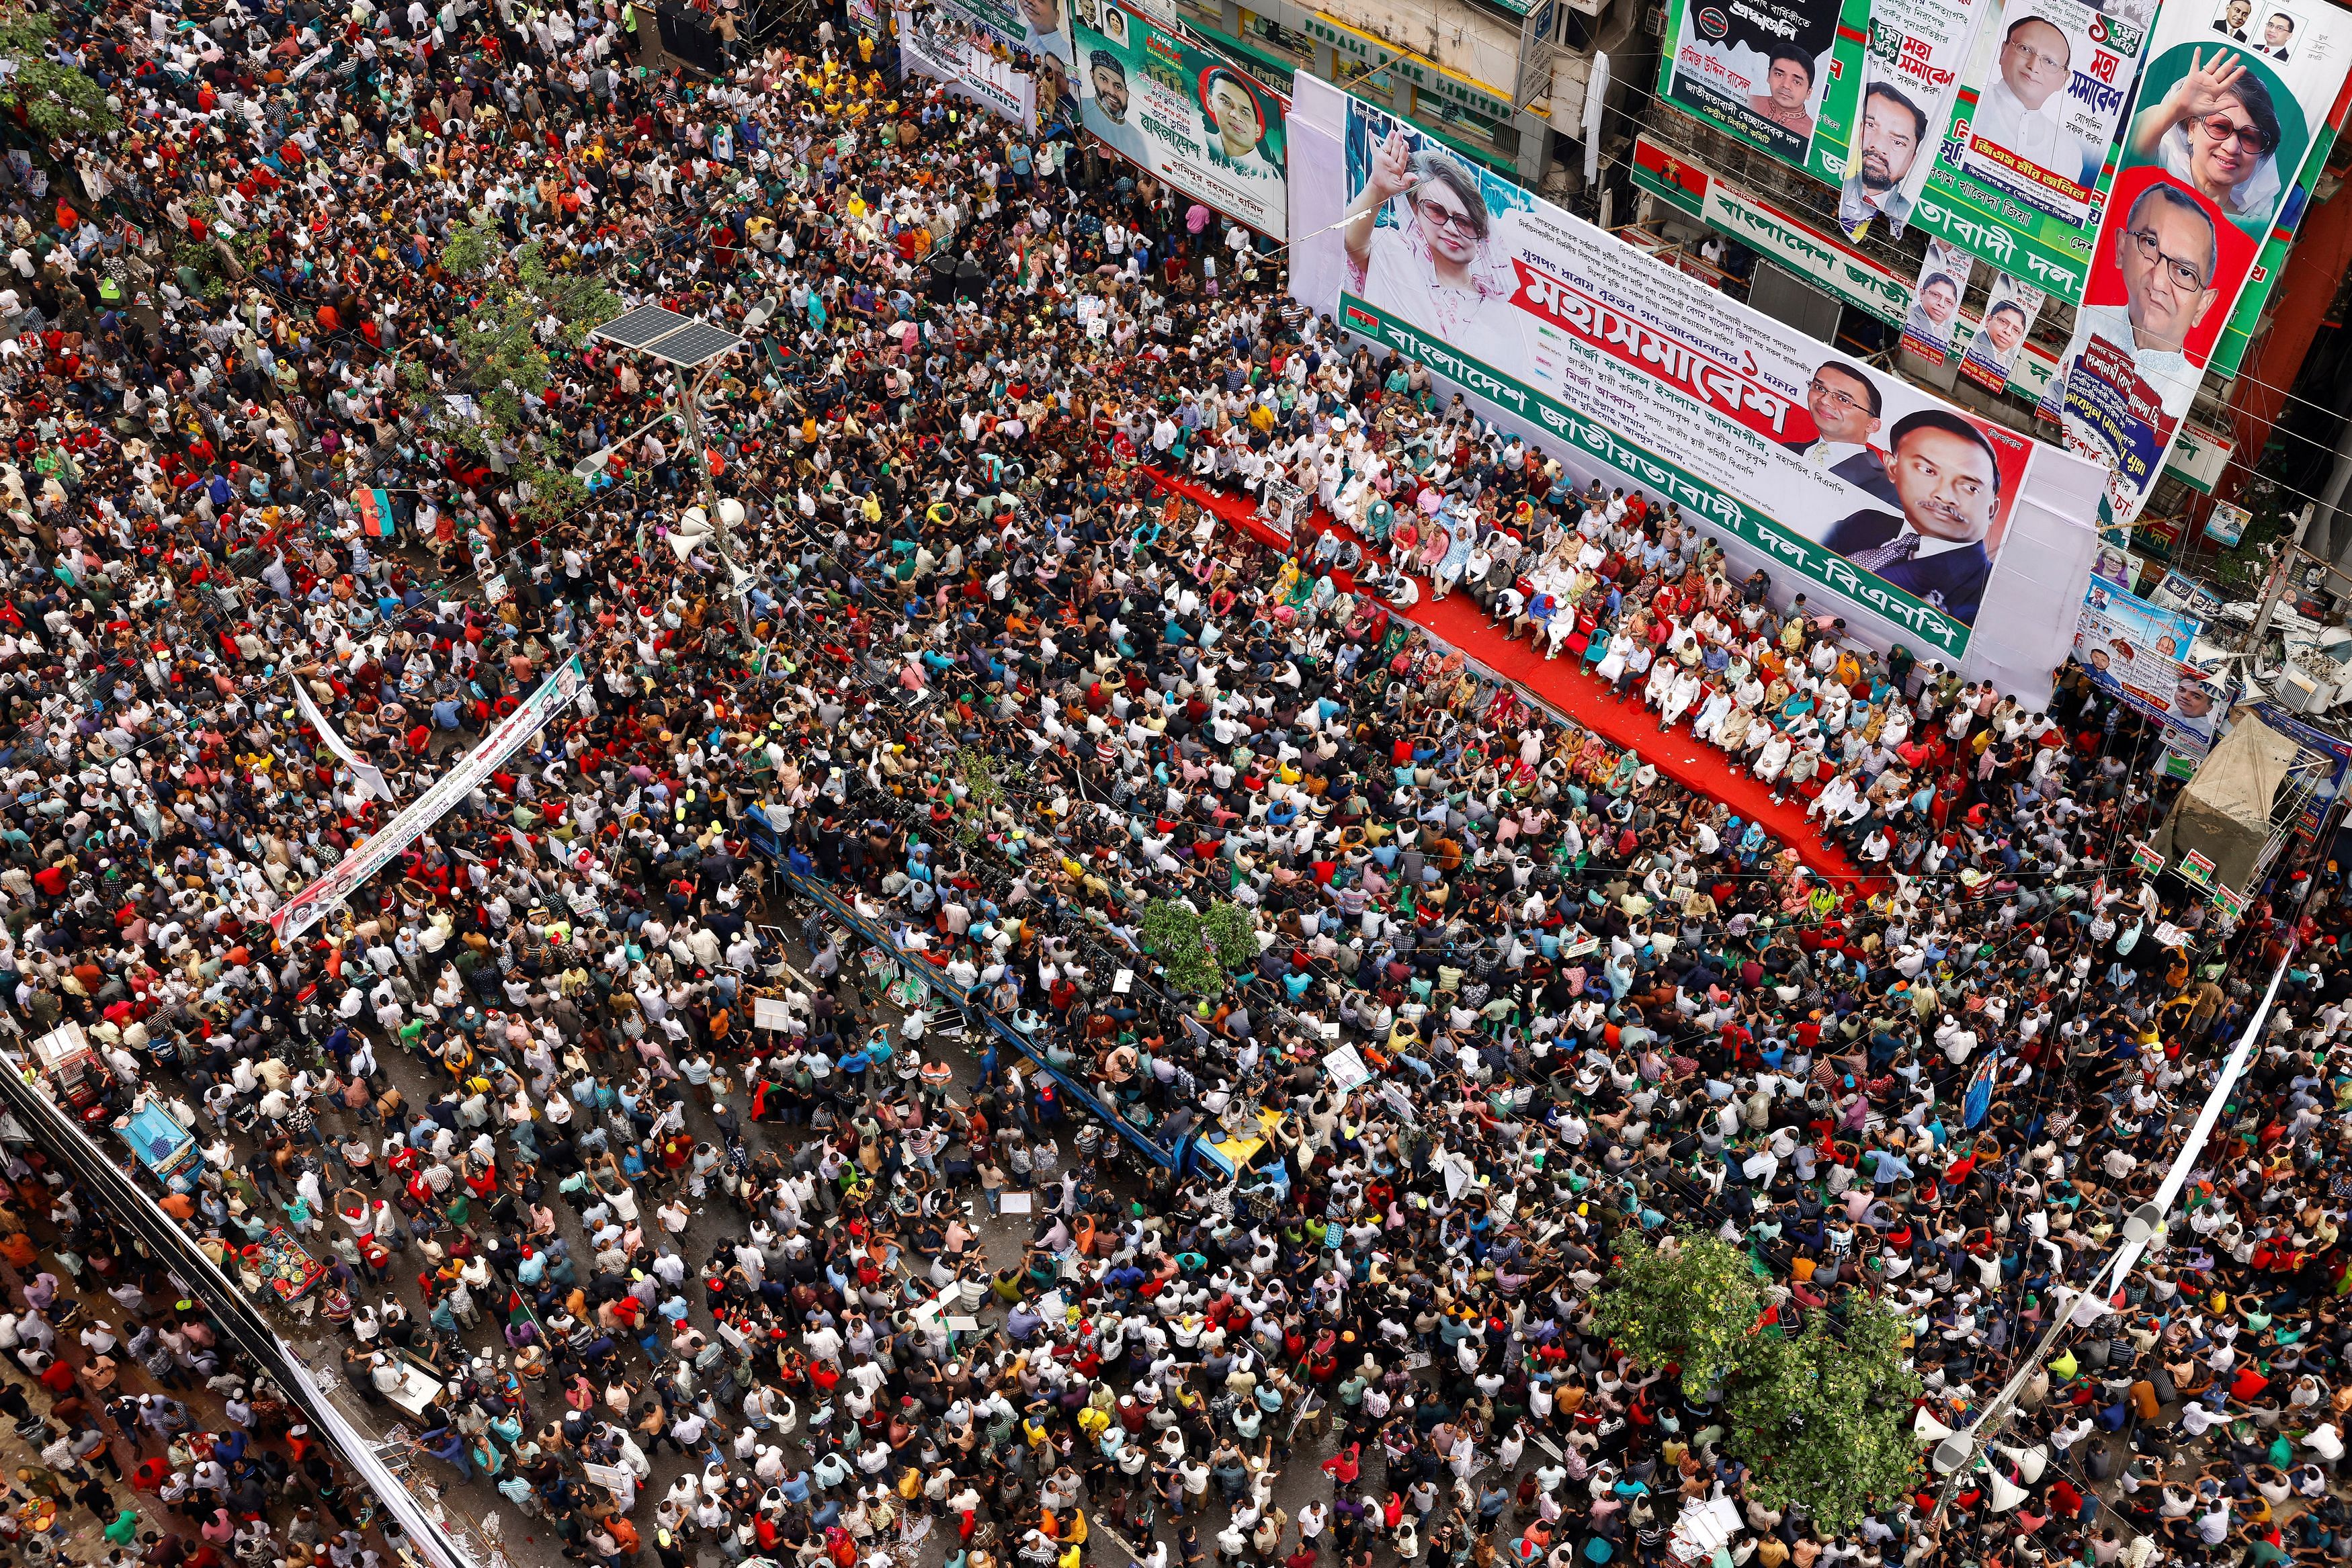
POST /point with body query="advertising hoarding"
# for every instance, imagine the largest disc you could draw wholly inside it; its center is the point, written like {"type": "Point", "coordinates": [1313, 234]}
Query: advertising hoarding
{"type": "Point", "coordinates": [2020, 165]}
{"type": "Point", "coordinates": [1780, 74]}
{"type": "Point", "coordinates": [1207, 126]}
{"type": "Point", "coordinates": [1801, 460]}
{"type": "Point", "coordinates": [1914, 57]}
{"type": "Point", "coordinates": [2215, 137]}
{"type": "Point", "coordinates": [2138, 652]}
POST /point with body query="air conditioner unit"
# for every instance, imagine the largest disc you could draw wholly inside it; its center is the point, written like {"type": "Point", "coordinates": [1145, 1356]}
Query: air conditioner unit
{"type": "Point", "coordinates": [1654, 21]}
{"type": "Point", "coordinates": [2306, 687]}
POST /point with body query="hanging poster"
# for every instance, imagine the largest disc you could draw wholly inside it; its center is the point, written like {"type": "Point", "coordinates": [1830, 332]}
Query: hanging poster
{"type": "Point", "coordinates": [1916, 52]}
{"type": "Point", "coordinates": [2226, 524]}
{"type": "Point", "coordinates": [2218, 131]}
{"type": "Point", "coordinates": [2139, 652]}
{"type": "Point", "coordinates": [2008, 317]}
{"type": "Point", "coordinates": [1934, 525]}
{"type": "Point", "coordinates": [1778, 75]}
{"type": "Point", "coordinates": [1934, 312]}
{"type": "Point", "coordinates": [2019, 168]}
{"type": "Point", "coordinates": [1211, 130]}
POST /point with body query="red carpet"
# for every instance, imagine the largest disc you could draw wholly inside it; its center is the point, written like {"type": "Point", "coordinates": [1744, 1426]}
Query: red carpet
{"type": "Point", "coordinates": [1459, 622]}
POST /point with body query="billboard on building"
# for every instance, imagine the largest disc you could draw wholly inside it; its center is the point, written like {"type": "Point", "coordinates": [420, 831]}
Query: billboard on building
{"type": "Point", "coordinates": [2215, 138]}
{"type": "Point", "coordinates": [1780, 74]}
{"type": "Point", "coordinates": [1210, 128]}
{"type": "Point", "coordinates": [1911, 71]}
{"type": "Point", "coordinates": [1955, 536]}
{"type": "Point", "coordinates": [2020, 165]}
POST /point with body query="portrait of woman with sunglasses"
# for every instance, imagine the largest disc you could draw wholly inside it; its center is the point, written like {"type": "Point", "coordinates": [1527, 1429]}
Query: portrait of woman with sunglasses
{"type": "Point", "coordinates": [2218, 132]}
{"type": "Point", "coordinates": [1435, 262]}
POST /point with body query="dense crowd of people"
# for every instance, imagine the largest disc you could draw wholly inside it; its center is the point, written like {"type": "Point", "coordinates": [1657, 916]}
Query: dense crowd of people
{"type": "Point", "coordinates": [1158, 814]}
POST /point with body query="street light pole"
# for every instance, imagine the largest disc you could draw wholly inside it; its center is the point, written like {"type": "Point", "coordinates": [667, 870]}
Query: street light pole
{"type": "Point", "coordinates": [690, 418]}
{"type": "Point", "coordinates": [687, 346]}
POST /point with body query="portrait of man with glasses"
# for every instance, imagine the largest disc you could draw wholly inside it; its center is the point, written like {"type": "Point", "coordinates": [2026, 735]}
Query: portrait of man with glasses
{"type": "Point", "coordinates": [2169, 252]}
{"type": "Point", "coordinates": [2022, 111]}
{"type": "Point", "coordinates": [1847, 409]}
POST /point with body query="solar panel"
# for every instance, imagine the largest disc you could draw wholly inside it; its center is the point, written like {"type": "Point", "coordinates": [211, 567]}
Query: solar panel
{"type": "Point", "coordinates": [692, 344]}
{"type": "Point", "coordinates": [645, 324]}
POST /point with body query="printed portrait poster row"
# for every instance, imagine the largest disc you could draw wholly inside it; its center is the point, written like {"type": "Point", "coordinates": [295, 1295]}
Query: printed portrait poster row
{"type": "Point", "coordinates": [1929, 526]}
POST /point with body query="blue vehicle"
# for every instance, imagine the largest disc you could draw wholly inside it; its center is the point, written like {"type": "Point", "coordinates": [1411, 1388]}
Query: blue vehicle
{"type": "Point", "coordinates": [162, 1146]}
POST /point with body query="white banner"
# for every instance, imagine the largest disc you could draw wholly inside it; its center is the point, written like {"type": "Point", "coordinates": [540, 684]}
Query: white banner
{"type": "Point", "coordinates": [370, 776]}
{"type": "Point", "coordinates": [954, 46]}
{"type": "Point", "coordinates": [307, 907]}
{"type": "Point", "coordinates": [1931, 526]}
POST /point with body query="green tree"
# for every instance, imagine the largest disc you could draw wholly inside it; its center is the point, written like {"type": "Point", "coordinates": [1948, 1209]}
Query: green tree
{"type": "Point", "coordinates": [1822, 1419]}
{"type": "Point", "coordinates": [520, 316]}
{"type": "Point", "coordinates": [1198, 952]}
{"type": "Point", "coordinates": [56, 101]}
{"type": "Point", "coordinates": [1691, 1301]}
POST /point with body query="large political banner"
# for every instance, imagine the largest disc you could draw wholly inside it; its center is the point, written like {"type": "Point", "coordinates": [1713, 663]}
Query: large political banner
{"type": "Point", "coordinates": [1911, 72]}
{"type": "Point", "coordinates": [2139, 652]}
{"type": "Point", "coordinates": [1159, 100]}
{"type": "Point", "coordinates": [1780, 74]}
{"type": "Point", "coordinates": [2216, 136]}
{"type": "Point", "coordinates": [2021, 167]}
{"type": "Point", "coordinates": [2253, 300]}
{"type": "Point", "coordinates": [1940, 530]}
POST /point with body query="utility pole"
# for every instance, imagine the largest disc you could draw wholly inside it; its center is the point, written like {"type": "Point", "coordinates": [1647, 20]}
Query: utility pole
{"type": "Point", "coordinates": [689, 419]}
{"type": "Point", "coordinates": [2274, 584]}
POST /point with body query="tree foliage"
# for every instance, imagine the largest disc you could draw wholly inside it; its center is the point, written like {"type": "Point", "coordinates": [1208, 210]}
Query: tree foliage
{"type": "Point", "coordinates": [1824, 1419]}
{"type": "Point", "coordinates": [1692, 1301]}
{"type": "Point", "coordinates": [1821, 1419]}
{"type": "Point", "coordinates": [522, 315]}
{"type": "Point", "coordinates": [1198, 952]}
{"type": "Point", "coordinates": [58, 101]}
